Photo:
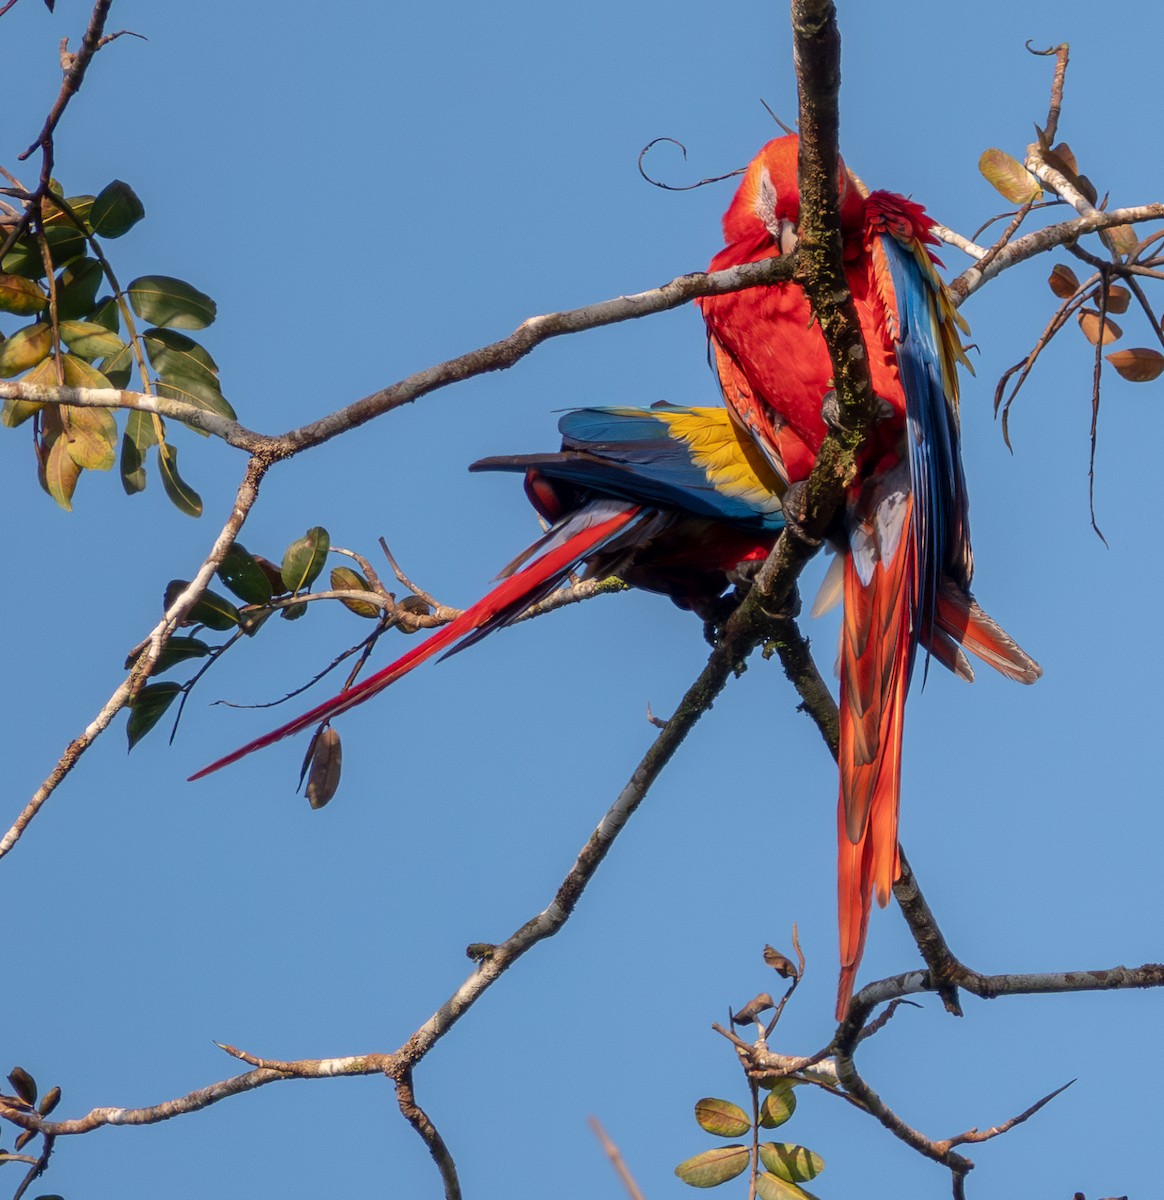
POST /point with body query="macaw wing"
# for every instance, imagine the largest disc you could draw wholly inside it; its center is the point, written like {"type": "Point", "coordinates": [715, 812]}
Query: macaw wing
{"type": "Point", "coordinates": [922, 324]}
{"type": "Point", "coordinates": [695, 460]}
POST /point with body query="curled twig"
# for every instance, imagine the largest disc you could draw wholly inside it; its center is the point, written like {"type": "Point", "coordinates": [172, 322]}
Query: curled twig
{"type": "Point", "coordinates": [688, 187]}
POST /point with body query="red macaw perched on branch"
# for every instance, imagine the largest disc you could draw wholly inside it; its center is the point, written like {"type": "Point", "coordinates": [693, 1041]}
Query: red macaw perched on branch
{"type": "Point", "coordinates": [671, 499]}
{"type": "Point", "coordinates": [908, 563]}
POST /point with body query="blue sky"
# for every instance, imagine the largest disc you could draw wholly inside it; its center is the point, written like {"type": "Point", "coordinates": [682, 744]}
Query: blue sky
{"type": "Point", "coordinates": [370, 189]}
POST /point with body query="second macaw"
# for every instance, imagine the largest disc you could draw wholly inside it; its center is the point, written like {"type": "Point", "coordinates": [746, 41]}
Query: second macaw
{"type": "Point", "coordinates": [673, 500]}
{"type": "Point", "coordinates": [908, 563]}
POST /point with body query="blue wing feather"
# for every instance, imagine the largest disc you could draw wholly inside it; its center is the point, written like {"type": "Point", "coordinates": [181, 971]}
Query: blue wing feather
{"type": "Point", "coordinates": [941, 522]}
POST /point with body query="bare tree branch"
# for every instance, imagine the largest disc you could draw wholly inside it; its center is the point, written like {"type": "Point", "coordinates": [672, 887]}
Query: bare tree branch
{"type": "Point", "coordinates": [419, 1120]}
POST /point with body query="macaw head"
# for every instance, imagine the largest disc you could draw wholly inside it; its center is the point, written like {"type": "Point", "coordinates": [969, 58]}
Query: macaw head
{"type": "Point", "coordinates": [767, 205]}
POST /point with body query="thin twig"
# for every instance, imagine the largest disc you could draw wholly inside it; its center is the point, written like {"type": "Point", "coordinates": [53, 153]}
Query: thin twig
{"type": "Point", "coordinates": [616, 1160]}
{"type": "Point", "coordinates": [248, 493]}
{"type": "Point", "coordinates": [975, 1135]}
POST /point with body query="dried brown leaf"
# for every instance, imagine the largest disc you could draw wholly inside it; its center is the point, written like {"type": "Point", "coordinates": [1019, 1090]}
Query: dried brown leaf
{"type": "Point", "coordinates": [1089, 322]}
{"type": "Point", "coordinates": [1066, 156]}
{"type": "Point", "coordinates": [1137, 365]}
{"type": "Point", "coordinates": [1121, 239]}
{"type": "Point", "coordinates": [1063, 281]}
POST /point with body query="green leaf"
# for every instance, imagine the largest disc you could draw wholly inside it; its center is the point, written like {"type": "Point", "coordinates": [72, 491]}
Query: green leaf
{"type": "Point", "coordinates": [796, 1164]}
{"type": "Point", "coordinates": [149, 706]}
{"type": "Point", "coordinates": [90, 436]}
{"type": "Point", "coordinates": [183, 496]}
{"type": "Point", "coordinates": [65, 243]}
{"type": "Point", "coordinates": [186, 370]}
{"type": "Point", "coordinates": [721, 1117]}
{"type": "Point", "coordinates": [25, 348]}
{"type": "Point", "coordinates": [1008, 176]}
{"type": "Point", "coordinates": [81, 205]}
{"type": "Point", "coordinates": [168, 348]}
{"type": "Point", "coordinates": [212, 610]}
{"type": "Point", "coordinates": [77, 288]}
{"type": "Point", "coordinates": [116, 210]}
{"type": "Point", "coordinates": [24, 259]}
{"type": "Point", "coordinates": [140, 435]}
{"type": "Point", "coordinates": [713, 1167]}
{"type": "Point", "coordinates": [90, 340]}
{"type": "Point", "coordinates": [167, 301]}
{"type": "Point", "coordinates": [772, 1187]}
{"type": "Point", "coordinates": [243, 576]}
{"type": "Point", "coordinates": [118, 368]}
{"type": "Point", "coordinates": [179, 649]}
{"type": "Point", "coordinates": [344, 579]}
{"type": "Point", "coordinates": [196, 393]}
{"type": "Point", "coordinates": [107, 314]}
{"type": "Point", "coordinates": [778, 1106]}
{"type": "Point", "coordinates": [143, 428]}
{"type": "Point", "coordinates": [21, 296]}
{"type": "Point", "coordinates": [304, 558]}
{"type": "Point", "coordinates": [59, 473]}
{"type": "Point", "coordinates": [293, 612]}
{"type": "Point", "coordinates": [132, 467]}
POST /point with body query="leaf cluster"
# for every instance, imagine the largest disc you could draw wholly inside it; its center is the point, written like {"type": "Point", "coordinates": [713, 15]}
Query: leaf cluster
{"type": "Point", "coordinates": [263, 588]}
{"type": "Point", "coordinates": [82, 331]}
{"type": "Point", "coordinates": [776, 1169]}
{"type": "Point", "coordinates": [24, 1098]}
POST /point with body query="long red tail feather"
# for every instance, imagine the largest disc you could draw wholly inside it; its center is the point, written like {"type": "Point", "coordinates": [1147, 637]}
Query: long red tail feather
{"type": "Point", "coordinates": [508, 597]}
{"type": "Point", "coordinates": [875, 662]}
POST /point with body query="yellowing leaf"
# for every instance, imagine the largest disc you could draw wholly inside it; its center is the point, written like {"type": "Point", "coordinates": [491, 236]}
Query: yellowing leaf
{"type": "Point", "coordinates": [1138, 365]}
{"type": "Point", "coordinates": [721, 1117]}
{"type": "Point", "coordinates": [90, 436]}
{"type": "Point", "coordinates": [796, 1164]}
{"type": "Point", "coordinates": [1089, 323]}
{"type": "Point", "coordinates": [344, 579]}
{"type": "Point", "coordinates": [80, 374]}
{"type": "Point", "coordinates": [713, 1167]}
{"type": "Point", "coordinates": [21, 296]}
{"type": "Point", "coordinates": [59, 473]}
{"type": "Point", "coordinates": [1008, 176]}
{"type": "Point", "coordinates": [90, 339]}
{"type": "Point", "coordinates": [25, 348]}
{"type": "Point", "coordinates": [772, 1187]}
{"type": "Point", "coordinates": [778, 1106]}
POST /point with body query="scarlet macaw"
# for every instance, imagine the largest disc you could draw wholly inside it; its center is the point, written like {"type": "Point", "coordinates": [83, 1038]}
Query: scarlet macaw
{"type": "Point", "coordinates": [908, 563]}
{"type": "Point", "coordinates": [671, 499]}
